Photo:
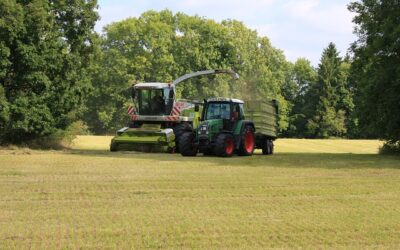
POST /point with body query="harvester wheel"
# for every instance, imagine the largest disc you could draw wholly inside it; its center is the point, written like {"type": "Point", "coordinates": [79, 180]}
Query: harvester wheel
{"type": "Point", "coordinates": [224, 145]}
{"type": "Point", "coordinates": [186, 143]}
{"type": "Point", "coordinates": [246, 147]}
{"type": "Point", "coordinates": [179, 130]}
{"type": "Point", "coordinates": [113, 147]}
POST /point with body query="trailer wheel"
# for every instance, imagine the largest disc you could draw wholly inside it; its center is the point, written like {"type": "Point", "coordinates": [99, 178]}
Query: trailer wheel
{"type": "Point", "coordinates": [187, 144]}
{"type": "Point", "coordinates": [179, 130]}
{"type": "Point", "coordinates": [271, 147]}
{"type": "Point", "coordinates": [246, 147]}
{"type": "Point", "coordinates": [268, 147]}
{"type": "Point", "coordinates": [224, 145]}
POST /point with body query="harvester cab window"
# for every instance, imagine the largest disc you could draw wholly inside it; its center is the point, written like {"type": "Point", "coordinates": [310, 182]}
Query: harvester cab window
{"type": "Point", "coordinates": [151, 102]}
{"type": "Point", "coordinates": [157, 104]}
{"type": "Point", "coordinates": [218, 111]}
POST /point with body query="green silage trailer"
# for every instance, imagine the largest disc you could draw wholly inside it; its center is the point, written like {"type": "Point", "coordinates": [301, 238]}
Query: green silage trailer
{"type": "Point", "coordinates": [264, 115]}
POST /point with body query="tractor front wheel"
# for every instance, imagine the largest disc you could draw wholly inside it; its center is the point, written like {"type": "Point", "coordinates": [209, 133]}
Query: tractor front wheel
{"type": "Point", "coordinates": [187, 145]}
{"type": "Point", "coordinates": [224, 145]}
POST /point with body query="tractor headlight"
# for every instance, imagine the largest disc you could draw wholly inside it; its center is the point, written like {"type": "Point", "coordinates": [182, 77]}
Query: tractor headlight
{"type": "Point", "coordinates": [203, 130]}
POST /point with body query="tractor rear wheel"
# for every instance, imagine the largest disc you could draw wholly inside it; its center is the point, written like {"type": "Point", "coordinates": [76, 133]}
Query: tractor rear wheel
{"type": "Point", "coordinates": [246, 147]}
{"type": "Point", "coordinates": [187, 144]}
{"type": "Point", "coordinates": [179, 130]}
{"type": "Point", "coordinates": [224, 145]}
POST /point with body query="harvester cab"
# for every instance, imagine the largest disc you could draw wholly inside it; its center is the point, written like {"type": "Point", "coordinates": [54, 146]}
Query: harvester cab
{"type": "Point", "coordinates": [158, 118]}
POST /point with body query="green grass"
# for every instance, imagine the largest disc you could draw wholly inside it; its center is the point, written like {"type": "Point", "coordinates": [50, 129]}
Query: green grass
{"type": "Point", "coordinates": [311, 194]}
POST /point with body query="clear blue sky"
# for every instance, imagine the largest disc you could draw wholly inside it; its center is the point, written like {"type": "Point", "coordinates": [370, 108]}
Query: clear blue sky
{"type": "Point", "coordinates": [301, 28]}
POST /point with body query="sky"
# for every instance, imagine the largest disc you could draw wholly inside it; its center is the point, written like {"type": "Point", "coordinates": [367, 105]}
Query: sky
{"type": "Point", "coordinates": [300, 28]}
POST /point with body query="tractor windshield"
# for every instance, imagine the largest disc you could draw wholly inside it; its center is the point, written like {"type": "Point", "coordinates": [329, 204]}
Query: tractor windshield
{"type": "Point", "coordinates": [218, 110]}
{"type": "Point", "coordinates": [155, 101]}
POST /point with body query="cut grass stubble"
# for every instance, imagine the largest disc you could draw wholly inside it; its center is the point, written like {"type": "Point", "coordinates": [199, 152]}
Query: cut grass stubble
{"type": "Point", "coordinates": [88, 197]}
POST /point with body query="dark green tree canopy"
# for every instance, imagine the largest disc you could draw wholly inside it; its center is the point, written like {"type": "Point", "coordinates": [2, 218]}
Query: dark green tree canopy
{"type": "Point", "coordinates": [376, 67]}
{"type": "Point", "coordinates": [46, 50]}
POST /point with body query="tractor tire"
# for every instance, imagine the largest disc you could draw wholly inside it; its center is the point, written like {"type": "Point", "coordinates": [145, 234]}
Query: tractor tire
{"type": "Point", "coordinates": [268, 147]}
{"type": "Point", "coordinates": [113, 147]}
{"type": "Point", "coordinates": [186, 143]}
{"type": "Point", "coordinates": [179, 130]}
{"type": "Point", "coordinates": [207, 152]}
{"type": "Point", "coordinates": [224, 145]}
{"type": "Point", "coordinates": [247, 142]}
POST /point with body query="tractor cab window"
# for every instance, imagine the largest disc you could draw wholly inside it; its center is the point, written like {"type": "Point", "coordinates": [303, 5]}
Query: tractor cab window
{"type": "Point", "coordinates": [236, 112]}
{"type": "Point", "coordinates": [154, 101]}
{"type": "Point", "coordinates": [218, 110]}
{"type": "Point", "coordinates": [241, 111]}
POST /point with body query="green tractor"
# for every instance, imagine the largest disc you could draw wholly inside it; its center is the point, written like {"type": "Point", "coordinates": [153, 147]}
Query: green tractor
{"type": "Point", "coordinates": [225, 130]}
{"type": "Point", "coordinates": [158, 118]}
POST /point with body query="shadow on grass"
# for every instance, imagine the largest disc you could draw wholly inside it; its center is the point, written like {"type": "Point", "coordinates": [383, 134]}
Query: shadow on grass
{"type": "Point", "coordinates": [290, 160]}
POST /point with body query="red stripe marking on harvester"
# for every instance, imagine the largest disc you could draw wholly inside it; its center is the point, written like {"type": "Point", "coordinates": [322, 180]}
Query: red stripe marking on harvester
{"type": "Point", "coordinates": [176, 111]}
{"type": "Point", "coordinates": [131, 110]}
{"type": "Point", "coordinates": [172, 118]}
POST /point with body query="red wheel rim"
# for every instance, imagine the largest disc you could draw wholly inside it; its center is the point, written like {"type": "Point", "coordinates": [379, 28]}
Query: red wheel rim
{"type": "Point", "coordinates": [229, 146]}
{"type": "Point", "coordinates": [249, 142]}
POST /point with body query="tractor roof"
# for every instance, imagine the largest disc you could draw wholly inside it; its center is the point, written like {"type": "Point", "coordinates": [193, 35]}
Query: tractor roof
{"type": "Point", "coordinates": [152, 85]}
{"type": "Point", "coordinates": [221, 99]}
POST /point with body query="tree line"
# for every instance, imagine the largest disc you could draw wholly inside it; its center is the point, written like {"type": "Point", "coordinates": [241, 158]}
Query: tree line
{"type": "Point", "coordinates": [56, 70]}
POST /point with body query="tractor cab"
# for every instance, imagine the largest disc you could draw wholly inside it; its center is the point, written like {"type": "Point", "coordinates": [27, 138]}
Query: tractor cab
{"type": "Point", "coordinates": [222, 113]}
{"type": "Point", "coordinates": [223, 108]}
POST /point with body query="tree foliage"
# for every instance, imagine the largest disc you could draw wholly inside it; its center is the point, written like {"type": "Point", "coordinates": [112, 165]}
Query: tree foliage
{"type": "Point", "coordinates": [296, 89]}
{"type": "Point", "coordinates": [46, 52]}
{"type": "Point", "coordinates": [327, 119]}
{"type": "Point", "coordinates": [321, 100]}
{"type": "Point", "coordinates": [376, 67]}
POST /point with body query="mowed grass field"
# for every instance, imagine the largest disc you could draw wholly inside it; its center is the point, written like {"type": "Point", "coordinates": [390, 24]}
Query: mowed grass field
{"type": "Point", "coordinates": [310, 194]}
